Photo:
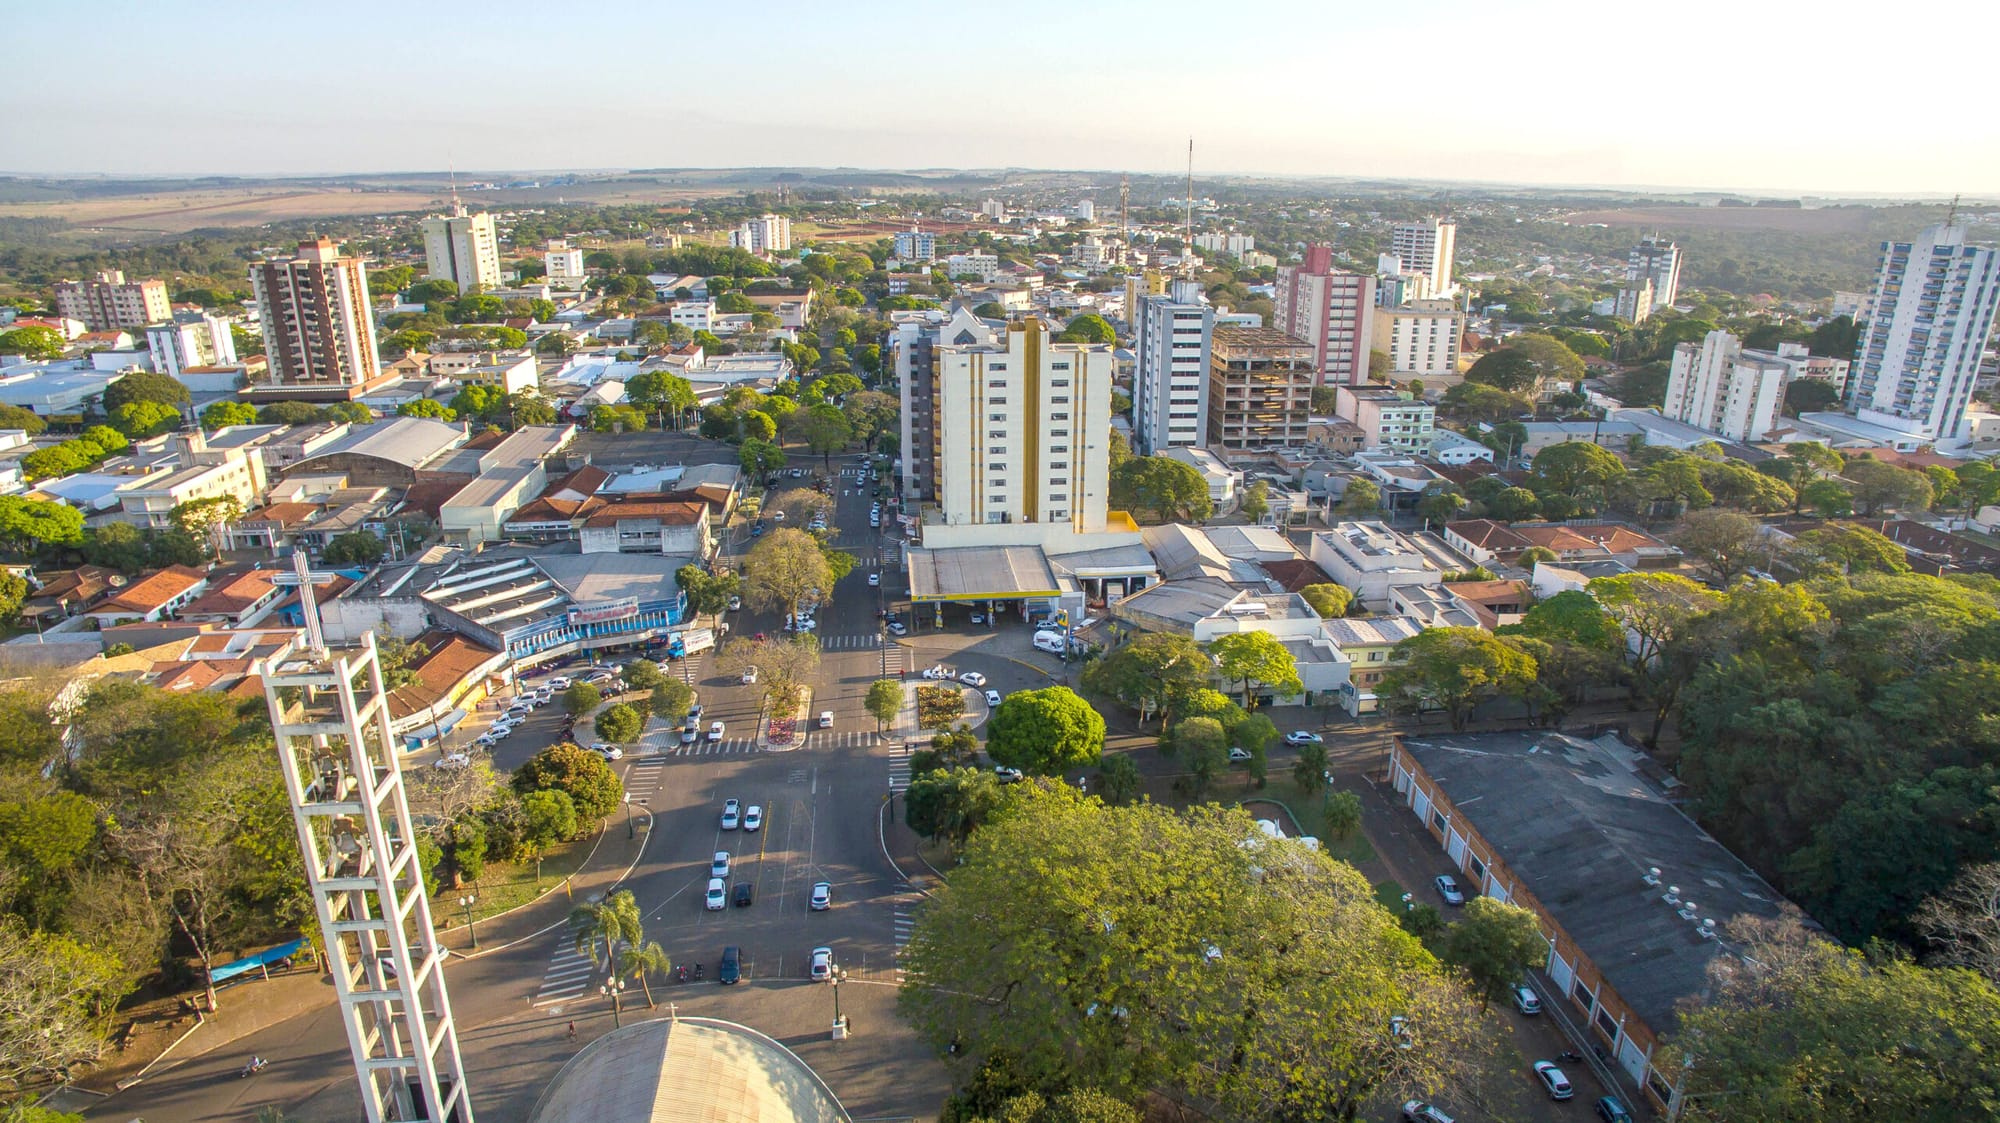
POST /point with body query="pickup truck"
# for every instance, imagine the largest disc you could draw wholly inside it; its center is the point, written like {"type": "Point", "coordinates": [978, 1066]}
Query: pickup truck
{"type": "Point", "coordinates": [693, 641]}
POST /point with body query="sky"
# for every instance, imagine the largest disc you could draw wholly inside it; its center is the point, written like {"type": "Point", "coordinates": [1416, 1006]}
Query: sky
{"type": "Point", "coordinates": [1827, 97]}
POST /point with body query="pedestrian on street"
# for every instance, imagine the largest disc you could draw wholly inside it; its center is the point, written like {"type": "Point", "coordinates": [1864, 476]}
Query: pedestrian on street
{"type": "Point", "coordinates": [572, 1031]}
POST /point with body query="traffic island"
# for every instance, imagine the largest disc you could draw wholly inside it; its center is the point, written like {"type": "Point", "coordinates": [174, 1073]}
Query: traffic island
{"type": "Point", "coordinates": [782, 733]}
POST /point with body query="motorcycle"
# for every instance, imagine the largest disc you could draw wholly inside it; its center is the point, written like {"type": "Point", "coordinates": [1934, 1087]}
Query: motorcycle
{"type": "Point", "coordinates": [681, 974]}
{"type": "Point", "coordinates": [697, 972]}
{"type": "Point", "coordinates": [255, 1066]}
{"type": "Point", "coordinates": [1569, 1055]}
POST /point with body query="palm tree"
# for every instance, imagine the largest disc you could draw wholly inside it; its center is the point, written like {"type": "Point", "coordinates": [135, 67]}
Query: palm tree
{"type": "Point", "coordinates": [639, 960]}
{"type": "Point", "coordinates": [614, 920]}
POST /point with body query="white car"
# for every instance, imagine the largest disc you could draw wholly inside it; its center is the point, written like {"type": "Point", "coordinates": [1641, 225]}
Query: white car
{"type": "Point", "coordinates": [978, 618]}
{"type": "Point", "coordinates": [753, 819]}
{"type": "Point", "coordinates": [715, 731]}
{"type": "Point", "coordinates": [874, 580]}
{"type": "Point", "coordinates": [729, 814]}
{"type": "Point", "coordinates": [822, 897]}
{"type": "Point", "coordinates": [822, 964]}
{"type": "Point", "coordinates": [749, 676]}
{"type": "Point", "coordinates": [826, 719]}
{"type": "Point", "coordinates": [1238, 755]}
{"type": "Point", "coordinates": [735, 603]}
{"type": "Point", "coordinates": [1007, 775]}
{"type": "Point", "coordinates": [972, 678]}
{"type": "Point", "coordinates": [718, 867]}
{"type": "Point", "coordinates": [1303, 737]}
{"type": "Point", "coordinates": [718, 895]}
{"type": "Point", "coordinates": [805, 625]}
{"type": "Point", "coordinates": [453, 760]}
{"type": "Point", "coordinates": [607, 750]}
{"type": "Point", "coordinates": [689, 734]}
{"type": "Point", "coordinates": [940, 673]}
{"type": "Point", "coordinates": [993, 698]}
{"type": "Point", "coordinates": [896, 628]}
{"type": "Point", "coordinates": [561, 682]}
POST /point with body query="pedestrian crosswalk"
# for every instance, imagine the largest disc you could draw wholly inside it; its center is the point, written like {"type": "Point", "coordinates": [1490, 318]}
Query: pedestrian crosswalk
{"type": "Point", "coordinates": [850, 739]}
{"type": "Point", "coordinates": [567, 977]}
{"type": "Point", "coordinates": [906, 923]}
{"type": "Point", "coordinates": [645, 775]}
{"type": "Point", "coordinates": [899, 767]}
{"type": "Point", "coordinates": [736, 746]}
{"type": "Point", "coordinates": [850, 642]}
{"type": "Point", "coordinates": [892, 661]}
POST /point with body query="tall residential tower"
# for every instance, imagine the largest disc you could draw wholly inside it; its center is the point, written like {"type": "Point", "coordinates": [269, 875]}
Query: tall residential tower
{"type": "Point", "coordinates": [1934, 304]}
{"type": "Point", "coordinates": [318, 330]}
{"type": "Point", "coordinates": [1659, 262]}
{"type": "Point", "coordinates": [1332, 309]}
{"type": "Point", "coordinates": [1170, 385]}
{"type": "Point", "coordinates": [1426, 247]}
{"type": "Point", "coordinates": [462, 248]}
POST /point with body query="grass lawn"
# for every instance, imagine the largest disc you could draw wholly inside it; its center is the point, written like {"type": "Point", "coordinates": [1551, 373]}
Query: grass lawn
{"type": "Point", "coordinates": [504, 885]}
{"type": "Point", "coordinates": [1390, 893]}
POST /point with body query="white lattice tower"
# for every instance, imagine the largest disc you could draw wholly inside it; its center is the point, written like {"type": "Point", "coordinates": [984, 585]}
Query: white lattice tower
{"type": "Point", "coordinates": [330, 713]}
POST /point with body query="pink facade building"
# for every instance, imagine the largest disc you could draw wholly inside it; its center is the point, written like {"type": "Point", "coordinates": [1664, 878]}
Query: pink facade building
{"type": "Point", "coordinates": [1333, 310]}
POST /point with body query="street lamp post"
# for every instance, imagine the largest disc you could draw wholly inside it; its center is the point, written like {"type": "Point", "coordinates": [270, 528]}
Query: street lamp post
{"type": "Point", "coordinates": [467, 901]}
{"type": "Point", "coordinates": [839, 1023]}
{"type": "Point", "coordinates": [613, 989]}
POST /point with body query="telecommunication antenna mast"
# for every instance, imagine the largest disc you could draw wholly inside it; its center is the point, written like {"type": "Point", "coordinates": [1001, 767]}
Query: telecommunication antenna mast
{"type": "Point", "coordinates": [329, 712]}
{"type": "Point", "coordinates": [1124, 207]}
{"type": "Point", "coordinates": [1187, 251]}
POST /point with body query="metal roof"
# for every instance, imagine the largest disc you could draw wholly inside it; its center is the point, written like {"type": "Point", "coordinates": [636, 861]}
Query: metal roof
{"type": "Point", "coordinates": [687, 1070]}
{"type": "Point", "coordinates": [980, 573]}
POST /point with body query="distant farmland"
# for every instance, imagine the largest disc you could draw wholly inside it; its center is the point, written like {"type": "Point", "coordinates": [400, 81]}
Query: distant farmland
{"type": "Point", "coordinates": [1825, 220]}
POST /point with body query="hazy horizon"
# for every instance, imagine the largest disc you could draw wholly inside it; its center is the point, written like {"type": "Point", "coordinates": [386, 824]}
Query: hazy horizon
{"type": "Point", "coordinates": [1548, 94]}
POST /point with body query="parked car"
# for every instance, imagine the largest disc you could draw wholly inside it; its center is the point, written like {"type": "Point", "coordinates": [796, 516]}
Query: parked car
{"type": "Point", "coordinates": [718, 894]}
{"type": "Point", "coordinates": [826, 719]}
{"type": "Point", "coordinates": [561, 682]}
{"type": "Point", "coordinates": [1238, 755]}
{"type": "Point", "coordinates": [731, 814]}
{"type": "Point", "coordinates": [1612, 1110]}
{"type": "Point", "coordinates": [1553, 1080]}
{"type": "Point", "coordinates": [689, 734]}
{"type": "Point", "coordinates": [753, 819]}
{"type": "Point", "coordinates": [978, 618]}
{"type": "Point", "coordinates": [453, 761]}
{"type": "Point", "coordinates": [993, 698]}
{"type": "Point", "coordinates": [607, 750]}
{"type": "Point", "coordinates": [874, 580]}
{"type": "Point", "coordinates": [939, 673]}
{"type": "Point", "coordinates": [972, 678]}
{"type": "Point", "coordinates": [749, 676]}
{"type": "Point", "coordinates": [715, 731]}
{"type": "Point", "coordinates": [896, 628]}
{"type": "Point", "coordinates": [744, 894]}
{"type": "Point", "coordinates": [731, 970]}
{"type": "Point", "coordinates": [735, 604]}
{"type": "Point", "coordinates": [1417, 1111]}
{"type": "Point", "coordinates": [821, 968]}
{"type": "Point", "coordinates": [1447, 887]}
{"type": "Point", "coordinates": [822, 896]}
{"type": "Point", "coordinates": [1525, 999]}
{"type": "Point", "coordinates": [1007, 775]}
{"type": "Point", "coordinates": [718, 866]}
{"type": "Point", "coordinates": [1303, 737]}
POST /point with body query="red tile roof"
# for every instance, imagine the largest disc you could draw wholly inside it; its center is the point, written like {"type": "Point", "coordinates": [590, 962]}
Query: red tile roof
{"type": "Point", "coordinates": [153, 591]}
{"type": "Point", "coordinates": [1488, 535]}
{"type": "Point", "coordinates": [234, 593]}
{"type": "Point", "coordinates": [1609, 538]}
{"type": "Point", "coordinates": [451, 658]}
{"type": "Point", "coordinates": [668, 513]}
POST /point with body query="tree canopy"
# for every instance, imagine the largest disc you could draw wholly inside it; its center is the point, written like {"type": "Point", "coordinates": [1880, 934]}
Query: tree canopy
{"type": "Point", "coordinates": [1045, 731]}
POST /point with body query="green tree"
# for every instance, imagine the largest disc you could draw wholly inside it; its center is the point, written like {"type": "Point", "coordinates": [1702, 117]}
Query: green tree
{"type": "Point", "coordinates": [1480, 403]}
{"type": "Point", "coordinates": [1045, 732]}
{"type": "Point", "coordinates": [1572, 466]}
{"type": "Point", "coordinates": [33, 342]}
{"type": "Point", "coordinates": [950, 803]}
{"type": "Point", "coordinates": [1440, 507]}
{"type": "Point", "coordinates": [1147, 673]}
{"type": "Point", "coordinates": [1118, 780]}
{"type": "Point", "coordinates": [756, 425]}
{"type": "Point", "coordinates": [708, 594]}
{"type": "Point", "coordinates": [581, 698]}
{"type": "Point", "coordinates": [204, 520]}
{"type": "Point", "coordinates": [142, 419]}
{"type": "Point", "coordinates": [1361, 498]}
{"type": "Point", "coordinates": [1342, 816]}
{"type": "Point", "coordinates": [356, 547]}
{"type": "Point", "coordinates": [26, 420]}
{"type": "Point", "coordinates": [426, 407]}
{"type": "Point", "coordinates": [1254, 735]}
{"type": "Point", "coordinates": [1828, 499]}
{"type": "Point", "coordinates": [1172, 489]}
{"type": "Point", "coordinates": [1799, 1027]}
{"type": "Point", "coordinates": [144, 386]}
{"type": "Point", "coordinates": [593, 788]}
{"type": "Point", "coordinates": [616, 419]}
{"type": "Point", "coordinates": [824, 429]}
{"type": "Point", "coordinates": [1494, 944]}
{"type": "Point", "coordinates": [547, 818]}
{"type": "Point", "coordinates": [1846, 549]}
{"type": "Point", "coordinates": [219, 415]}
{"type": "Point", "coordinates": [1654, 611]}
{"type": "Point", "coordinates": [1087, 328]}
{"type": "Point", "coordinates": [290, 413]}
{"type": "Point", "coordinates": [1256, 501]}
{"type": "Point", "coordinates": [620, 724]}
{"type": "Point", "coordinates": [1309, 770]}
{"type": "Point", "coordinates": [438, 291]}
{"type": "Point", "coordinates": [1135, 946]}
{"type": "Point", "coordinates": [58, 992]}
{"type": "Point", "coordinates": [30, 524]}
{"type": "Point", "coordinates": [642, 961]}
{"type": "Point", "coordinates": [671, 700]}
{"type": "Point", "coordinates": [1877, 486]}
{"type": "Point", "coordinates": [1722, 541]}
{"type": "Point", "coordinates": [611, 923]}
{"type": "Point", "coordinates": [1257, 658]}
{"type": "Point", "coordinates": [1330, 601]}
{"type": "Point", "coordinates": [883, 701]}
{"type": "Point", "coordinates": [1454, 669]}
{"type": "Point", "coordinates": [784, 570]}
{"type": "Point", "coordinates": [758, 457]}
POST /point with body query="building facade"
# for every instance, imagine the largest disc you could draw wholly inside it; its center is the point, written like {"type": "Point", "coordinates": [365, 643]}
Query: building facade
{"type": "Point", "coordinates": [916, 245]}
{"type": "Point", "coordinates": [1027, 424]}
{"type": "Point", "coordinates": [1933, 310]}
{"type": "Point", "coordinates": [1424, 339]}
{"type": "Point", "coordinates": [1718, 386]}
{"type": "Point", "coordinates": [767, 233]}
{"type": "Point", "coordinates": [108, 302]}
{"type": "Point", "coordinates": [1174, 332]}
{"type": "Point", "coordinates": [1332, 309]}
{"type": "Point", "coordinates": [563, 264]}
{"type": "Point", "coordinates": [1387, 418]}
{"type": "Point", "coordinates": [1659, 262]}
{"type": "Point", "coordinates": [318, 330]}
{"type": "Point", "coordinates": [193, 339]}
{"type": "Point", "coordinates": [1634, 301]}
{"type": "Point", "coordinates": [1427, 247]}
{"type": "Point", "coordinates": [912, 346]}
{"type": "Point", "coordinates": [984, 266]}
{"type": "Point", "coordinates": [1260, 387]}
{"type": "Point", "coordinates": [462, 248]}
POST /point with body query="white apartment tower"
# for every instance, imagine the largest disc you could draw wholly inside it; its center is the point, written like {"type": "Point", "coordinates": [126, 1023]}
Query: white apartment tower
{"type": "Point", "coordinates": [1933, 305]}
{"type": "Point", "coordinates": [916, 245]}
{"type": "Point", "coordinates": [1424, 338]}
{"type": "Point", "coordinates": [1426, 247]}
{"type": "Point", "coordinates": [318, 330]}
{"type": "Point", "coordinates": [1718, 386]}
{"type": "Point", "coordinates": [462, 248]}
{"type": "Point", "coordinates": [1659, 262]}
{"type": "Point", "coordinates": [563, 264]}
{"type": "Point", "coordinates": [767, 233]}
{"type": "Point", "coordinates": [1028, 423]}
{"type": "Point", "coordinates": [1332, 309]}
{"type": "Point", "coordinates": [193, 339]}
{"type": "Point", "coordinates": [1174, 331]}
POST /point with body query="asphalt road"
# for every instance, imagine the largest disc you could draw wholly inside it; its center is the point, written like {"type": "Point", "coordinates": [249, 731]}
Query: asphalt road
{"type": "Point", "coordinates": [823, 807]}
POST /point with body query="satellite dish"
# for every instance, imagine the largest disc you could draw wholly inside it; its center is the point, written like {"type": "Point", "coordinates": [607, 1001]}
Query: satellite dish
{"type": "Point", "coordinates": [119, 580]}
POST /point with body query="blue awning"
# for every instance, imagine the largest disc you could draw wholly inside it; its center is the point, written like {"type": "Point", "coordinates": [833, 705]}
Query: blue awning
{"type": "Point", "coordinates": [432, 730]}
{"type": "Point", "coordinates": [261, 959]}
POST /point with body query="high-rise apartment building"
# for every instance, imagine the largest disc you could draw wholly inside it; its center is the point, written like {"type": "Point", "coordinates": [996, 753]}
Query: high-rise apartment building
{"type": "Point", "coordinates": [1659, 262]}
{"type": "Point", "coordinates": [767, 233]}
{"type": "Point", "coordinates": [462, 248]}
{"type": "Point", "coordinates": [911, 347]}
{"type": "Point", "coordinates": [1634, 302]}
{"type": "Point", "coordinates": [318, 331]}
{"type": "Point", "coordinates": [1170, 383]}
{"type": "Point", "coordinates": [108, 302]}
{"type": "Point", "coordinates": [1027, 424]}
{"type": "Point", "coordinates": [1424, 338]}
{"type": "Point", "coordinates": [1260, 383]}
{"type": "Point", "coordinates": [1426, 247]}
{"type": "Point", "coordinates": [1332, 309]}
{"type": "Point", "coordinates": [564, 264]}
{"type": "Point", "coordinates": [1718, 386]}
{"type": "Point", "coordinates": [193, 339]}
{"type": "Point", "coordinates": [1933, 310]}
{"type": "Point", "coordinates": [916, 245]}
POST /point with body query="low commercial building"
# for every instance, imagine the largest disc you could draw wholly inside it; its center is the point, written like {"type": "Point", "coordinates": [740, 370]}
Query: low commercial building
{"type": "Point", "coordinates": [1631, 895]}
{"type": "Point", "coordinates": [1223, 481]}
{"type": "Point", "coordinates": [1388, 418]}
{"type": "Point", "coordinates": [1370, 559]}
{"type": "Point", "coordinates": [200, 472]}
{"type": "Point", "coordinates": [1369, 646]}
{"type": "Point", "coordinates": [638, 526]}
